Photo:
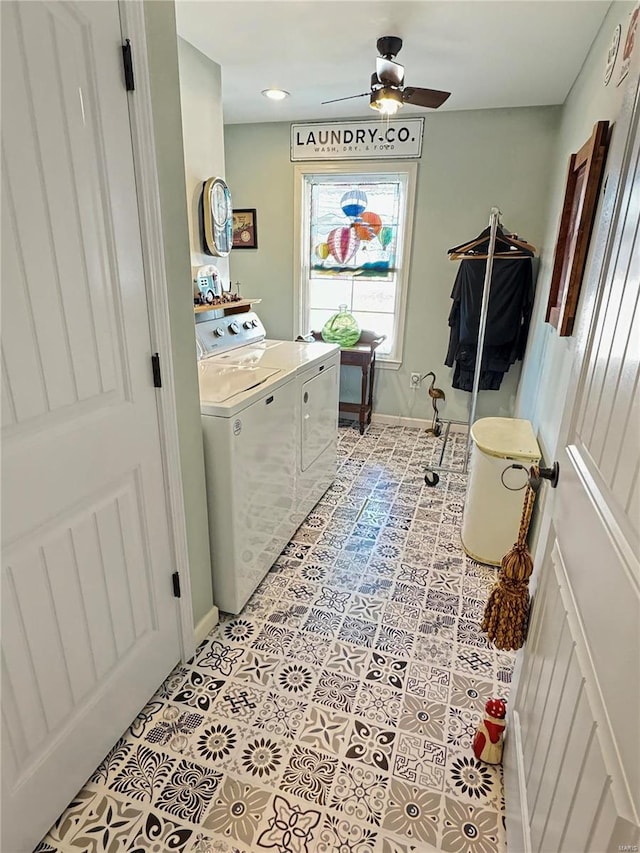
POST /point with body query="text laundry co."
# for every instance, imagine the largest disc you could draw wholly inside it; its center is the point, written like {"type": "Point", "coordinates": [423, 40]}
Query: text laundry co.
{"type": "Point", "coordinates": [361, 134]}
{"type": "Point", "coordinates": [347, 140]}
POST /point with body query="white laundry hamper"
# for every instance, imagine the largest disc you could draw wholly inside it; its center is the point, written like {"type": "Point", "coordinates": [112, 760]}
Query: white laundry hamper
{"type": "Point", "coordinates": [495, 491]}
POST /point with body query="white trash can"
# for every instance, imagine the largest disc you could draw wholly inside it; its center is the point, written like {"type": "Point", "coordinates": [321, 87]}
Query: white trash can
{"type": "Point", "coordinates": [493, 505]}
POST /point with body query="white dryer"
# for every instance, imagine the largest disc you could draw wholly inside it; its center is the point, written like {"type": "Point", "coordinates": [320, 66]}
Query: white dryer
{"type": "Point", "coordinates": [269, 416]}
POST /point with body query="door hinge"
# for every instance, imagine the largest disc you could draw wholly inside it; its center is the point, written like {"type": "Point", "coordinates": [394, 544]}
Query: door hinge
{"type": "Point", "coordinates": [155, 366]}
{"type": "Point", "coordinates": [175, 578]}
{"type": "Point", "coordinates": [127, 61]}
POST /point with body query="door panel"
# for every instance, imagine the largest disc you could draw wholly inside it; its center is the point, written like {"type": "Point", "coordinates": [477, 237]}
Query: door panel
{"type": "Point", "coordinates": [575, 781]}
{"type": "Point", "coordinates": [571, 757]}
{"type": "Point", "coordinates": [607, 416]}
{"type": "Point", "coordinates": [57, 211]}
{"type": "Point", "coordinates": [89, 620]}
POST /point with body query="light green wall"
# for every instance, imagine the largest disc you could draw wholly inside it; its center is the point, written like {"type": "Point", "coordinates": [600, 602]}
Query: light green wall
{"type": "Point", "coordinates": [260, 175]}
{"type": "Point", "coordinates": [165, 95]}
{"type": "Point", "coordinates": [548, 362]}
{"type": "Point", "coordinates": [202, 137]}
{"type": "Point", "coordinates": [471, 161]}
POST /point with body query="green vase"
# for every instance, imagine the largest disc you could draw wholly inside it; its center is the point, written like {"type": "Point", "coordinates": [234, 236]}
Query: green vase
{"type": "Point", "coordinates": [341, 329]}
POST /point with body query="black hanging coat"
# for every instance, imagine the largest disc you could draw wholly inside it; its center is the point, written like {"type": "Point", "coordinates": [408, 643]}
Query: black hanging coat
{"type": "Point", "coordinates": [510, 306]}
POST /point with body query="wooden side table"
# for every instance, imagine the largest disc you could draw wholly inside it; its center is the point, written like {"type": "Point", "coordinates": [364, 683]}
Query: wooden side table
{"type": "Point", "coordinates": [362, 355]}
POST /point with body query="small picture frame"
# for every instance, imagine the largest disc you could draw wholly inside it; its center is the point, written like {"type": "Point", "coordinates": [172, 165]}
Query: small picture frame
{"type": "Point", "coordinates": [245, 229]}
{"type": "Point", "coordinates": [581, 195]}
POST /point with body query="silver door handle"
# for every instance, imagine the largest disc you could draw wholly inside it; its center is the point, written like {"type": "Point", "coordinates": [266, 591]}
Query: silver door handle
{"type": "Point", "coordinates": [552, 474]}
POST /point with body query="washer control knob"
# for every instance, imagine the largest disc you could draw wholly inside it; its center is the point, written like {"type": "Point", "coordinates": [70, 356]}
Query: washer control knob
{"type": "Point", "coordinates": [218, 331]}
{"type": "Point", "coordinates": [234, 328]}
{"type": "Point", "coordinates": [247, 324]}
{"type": "Point", "coordinates": [254, 324]}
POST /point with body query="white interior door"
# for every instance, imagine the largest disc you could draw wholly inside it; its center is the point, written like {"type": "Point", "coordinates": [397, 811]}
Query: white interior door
{"type": "Point", "coordinates": [573, 762]}
{"type": "Point", "coordinates": [88, 619]}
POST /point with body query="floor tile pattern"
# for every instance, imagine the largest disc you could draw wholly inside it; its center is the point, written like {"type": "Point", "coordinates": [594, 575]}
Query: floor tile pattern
{"type": "Point", "coordinates": [335, 714]}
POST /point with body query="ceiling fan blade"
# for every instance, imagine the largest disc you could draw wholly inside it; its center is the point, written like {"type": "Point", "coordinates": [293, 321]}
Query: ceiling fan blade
{"type": "Point", "coordinates": [389, 72]}
{"type": "Point", "coordinates": [348, 98]}
{"type": "Point", "coordinates": [433, 98]}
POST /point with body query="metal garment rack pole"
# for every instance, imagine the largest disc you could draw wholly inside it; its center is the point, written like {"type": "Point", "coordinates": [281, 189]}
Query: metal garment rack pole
{"type": "Point", "coordinates": [494, 219]}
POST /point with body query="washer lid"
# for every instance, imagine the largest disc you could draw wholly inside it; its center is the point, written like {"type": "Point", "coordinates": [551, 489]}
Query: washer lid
{"type": "Point", "coordinates": [251, 355]}
{"type": "Point", "coordinates": [506, 438]}
{"type": "Point", "coordinates": [221, 383]}
{"type": "Point", "coordinates": [295, 356]}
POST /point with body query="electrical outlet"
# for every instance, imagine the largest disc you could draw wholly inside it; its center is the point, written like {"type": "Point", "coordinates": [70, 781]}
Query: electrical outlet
{"type": "Point", "coordinates": [414, 381]}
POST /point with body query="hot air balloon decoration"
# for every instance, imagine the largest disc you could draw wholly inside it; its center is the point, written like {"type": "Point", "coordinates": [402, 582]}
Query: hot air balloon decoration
{"type": "Point", "coordinates": [343, 244]}
{"type": "Point", "coordinates": [358, 243]}
{"type": "Point", "coordinates": [353, 203]}
{"type": "Point", "coordinates": [385, 236]}
{"type": "Point", "coordinates": [368, 226]}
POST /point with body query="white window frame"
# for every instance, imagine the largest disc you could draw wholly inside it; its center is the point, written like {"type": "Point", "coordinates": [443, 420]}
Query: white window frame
{"type": "Point", "coordinates": [302, 204]}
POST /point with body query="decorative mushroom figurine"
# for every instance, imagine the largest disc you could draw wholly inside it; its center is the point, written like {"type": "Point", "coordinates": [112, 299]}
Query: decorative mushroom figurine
{"type": "Point", "coordinates": [487, 743]}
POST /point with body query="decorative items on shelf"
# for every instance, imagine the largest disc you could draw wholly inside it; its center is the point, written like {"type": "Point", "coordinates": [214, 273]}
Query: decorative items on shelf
{"type": "Point", "coordinates": [342, 328]}
{"type": "Point", "coordinates": [488, 740]}
{"type": "Point", "coordinates": [208, 286]}
{"type": "Point", "coordinates": [226, 299]}
{"type": "Point", "coordinates": [208, 289]}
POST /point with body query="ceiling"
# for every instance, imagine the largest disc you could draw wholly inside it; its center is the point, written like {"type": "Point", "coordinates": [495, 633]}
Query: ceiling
{"type": "Point", "coordinates": [487, 53]}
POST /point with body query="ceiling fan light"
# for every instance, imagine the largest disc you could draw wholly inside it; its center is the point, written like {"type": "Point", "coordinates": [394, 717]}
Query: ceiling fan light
{"type": "Point", "coordinates": [275, 94]}
{"type": "Point", "coordinates": [389, 107]}
{"type": "Point", "coordinates": [387, 101]}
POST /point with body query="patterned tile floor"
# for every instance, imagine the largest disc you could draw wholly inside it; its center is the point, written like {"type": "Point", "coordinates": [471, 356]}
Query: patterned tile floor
{"type": "Point", "coordinates": [335, 714]}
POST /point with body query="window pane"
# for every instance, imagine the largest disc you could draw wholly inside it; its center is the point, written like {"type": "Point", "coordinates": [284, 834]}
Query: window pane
{"type": "Point", "coordinates": [352, 225]}
{"type": "Point", "coordinates": [374, 295]}
{"type": "Point", "coordinates": [354, 228]}
{"type": "Point", "coordinates": [380, 323]}
{"type": "Point", "coordinates": [317, 318]}
{"type": "Point", "coordinates": [329, 293]}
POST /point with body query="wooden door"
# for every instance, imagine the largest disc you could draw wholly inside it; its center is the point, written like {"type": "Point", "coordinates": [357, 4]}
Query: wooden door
{"type": "Point", "coordinates": [89, 623]}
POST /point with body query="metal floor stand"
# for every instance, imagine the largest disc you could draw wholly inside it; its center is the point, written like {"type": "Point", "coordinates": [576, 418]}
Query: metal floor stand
{"type": "Point", "coordinates": [431, 478]}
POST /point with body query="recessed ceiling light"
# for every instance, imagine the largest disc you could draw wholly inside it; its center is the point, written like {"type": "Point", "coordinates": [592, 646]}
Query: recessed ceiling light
{"type": "Point", "coordinates": [275, 94]}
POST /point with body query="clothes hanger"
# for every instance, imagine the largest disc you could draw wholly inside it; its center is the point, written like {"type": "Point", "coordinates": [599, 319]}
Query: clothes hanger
{"type": "Point", "coordinates": [507, 246]}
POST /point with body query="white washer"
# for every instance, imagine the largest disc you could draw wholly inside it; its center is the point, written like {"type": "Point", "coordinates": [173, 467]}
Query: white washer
{"type": "Point", "coordinates": [317, 369]}
{"type": "Point", "coordinates": [269, 415]}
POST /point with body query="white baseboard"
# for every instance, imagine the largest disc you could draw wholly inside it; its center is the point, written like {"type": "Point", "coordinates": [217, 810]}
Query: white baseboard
{"type": "Point", "coordinates": [515, 789]}
{"type": "Point", "coordinates": [206, 625]}
{"type": "Point", "coordinates": [417, 423]}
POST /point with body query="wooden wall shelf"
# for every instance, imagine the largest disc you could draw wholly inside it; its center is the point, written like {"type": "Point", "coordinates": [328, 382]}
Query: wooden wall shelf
{"type": "Point", "coordinates": [227, 307]}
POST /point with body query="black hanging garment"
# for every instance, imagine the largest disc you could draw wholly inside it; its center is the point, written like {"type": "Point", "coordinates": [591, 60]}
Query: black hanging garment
{"type": "Point", "coordinates": [510, 306]}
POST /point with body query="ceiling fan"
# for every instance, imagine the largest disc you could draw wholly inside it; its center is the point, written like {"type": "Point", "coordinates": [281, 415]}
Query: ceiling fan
{"type": "Point", "coordinates": [387, 94]}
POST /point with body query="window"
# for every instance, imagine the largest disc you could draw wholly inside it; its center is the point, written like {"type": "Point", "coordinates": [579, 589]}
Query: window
{"type": "Point", "coordinates": [354, 228]}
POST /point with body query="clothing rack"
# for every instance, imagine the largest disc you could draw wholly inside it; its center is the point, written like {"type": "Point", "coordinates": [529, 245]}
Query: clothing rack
{"type": "Point", "coordinates": [430, 477]}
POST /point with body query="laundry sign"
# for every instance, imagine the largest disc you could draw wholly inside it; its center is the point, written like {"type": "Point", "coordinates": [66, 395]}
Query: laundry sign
{"type": "Point", "coordinates": [357, 140]}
